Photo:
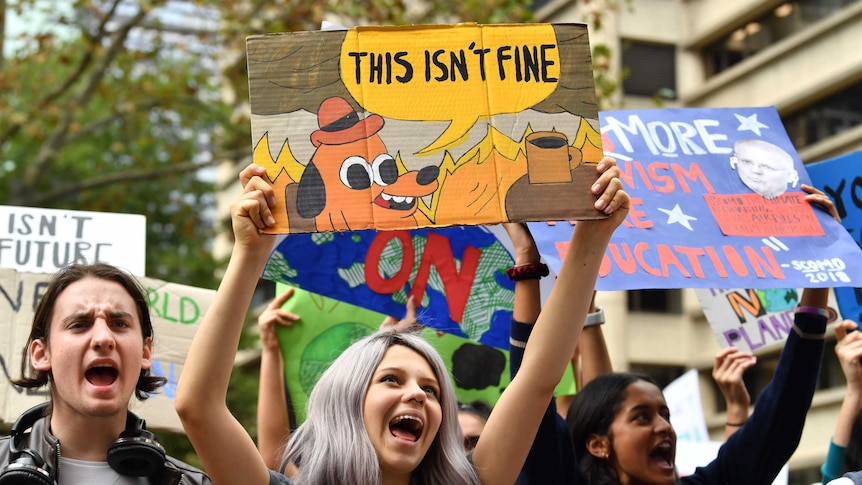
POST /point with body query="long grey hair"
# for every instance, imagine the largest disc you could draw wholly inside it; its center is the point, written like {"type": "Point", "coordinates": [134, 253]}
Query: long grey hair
{"type": "Point", "coordinates": [332, 446]}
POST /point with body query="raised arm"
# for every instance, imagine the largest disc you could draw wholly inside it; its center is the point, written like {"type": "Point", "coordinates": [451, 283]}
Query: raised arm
{"type": "Point", "coordinates": [591, 357]}
{"type": "Point", "coordinates": [510, 430]}
{"type": "Point", "coordinates": [758, 450]}
{"type": "Point", "coordinates": [730, 364]}
{"type": "Point", "coordinates": [528, 298]}
{"type": "Point", "coordinates": [848, 348]}
{"type": "Point", "coordinates": [551, 457]}
{"type": "Point", "coordinates": [226, 450]}
{"type": "Point", "coordinates": [273, 423]}
{"type": "Point", "coordinates": [594, 357]}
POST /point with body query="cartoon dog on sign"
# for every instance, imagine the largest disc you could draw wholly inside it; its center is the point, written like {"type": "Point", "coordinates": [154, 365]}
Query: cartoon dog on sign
{"type": "Point", "coordinates": [351, 181]}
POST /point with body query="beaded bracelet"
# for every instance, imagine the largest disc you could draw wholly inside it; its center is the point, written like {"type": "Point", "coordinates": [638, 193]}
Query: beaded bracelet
{"type": "Point", "coordinates": [532, 271]}
{"type": "Point", "coordinates": [811, 310]}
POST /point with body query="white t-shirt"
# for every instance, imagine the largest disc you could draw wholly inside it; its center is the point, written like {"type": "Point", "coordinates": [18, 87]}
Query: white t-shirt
{"type": "Point", "coordinates": [74, 472]}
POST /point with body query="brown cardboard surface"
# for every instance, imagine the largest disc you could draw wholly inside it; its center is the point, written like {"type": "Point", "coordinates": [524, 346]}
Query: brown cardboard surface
{"type": "Point", "coordinates": [176, 311]}
{"type": "Point", "coordinates": [418, 126]}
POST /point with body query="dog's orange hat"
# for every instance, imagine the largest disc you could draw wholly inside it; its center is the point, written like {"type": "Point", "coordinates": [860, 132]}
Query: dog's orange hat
{"type": "Point", "coordinates": [339, 123]}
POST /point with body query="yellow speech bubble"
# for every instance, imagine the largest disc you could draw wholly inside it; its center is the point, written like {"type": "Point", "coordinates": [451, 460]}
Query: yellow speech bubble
{"type": "Point", "coordinates": [459, 73]}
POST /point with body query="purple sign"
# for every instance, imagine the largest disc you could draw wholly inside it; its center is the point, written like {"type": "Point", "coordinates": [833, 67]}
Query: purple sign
{"type": "Point", "coordinates": [716, 203]}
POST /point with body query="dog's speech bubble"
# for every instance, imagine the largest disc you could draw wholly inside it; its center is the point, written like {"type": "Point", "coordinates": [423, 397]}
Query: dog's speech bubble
{"type": "Point", "coordinates": [458, 73]}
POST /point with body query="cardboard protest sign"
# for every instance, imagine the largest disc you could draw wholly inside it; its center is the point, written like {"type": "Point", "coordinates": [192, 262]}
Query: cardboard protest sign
{"type": "Point", "coordinates": [327, 327]}
{"type": "Point", "coordinates": [418, 126]}
{"type": "Point", "coordinates": [841, 179]}
{"type": "Point", "coordinates": [456, 275]}
{"type": "Point", "coordinates": [748, 318]}
{"type": "Point", "coordinates": [44, 240]}
{"type": "Point", "coordinates": [716, 203]}
{"type": "Point", "coordinates": [176, 311]}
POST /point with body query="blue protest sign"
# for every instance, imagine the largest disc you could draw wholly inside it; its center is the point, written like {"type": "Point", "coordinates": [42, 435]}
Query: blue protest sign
{"type": "Point", "coordinates": [456, 275]}
{"type": "Point", "coordinates": [716, 203]}
{"type": "Point", "coordinates": [841, 179]}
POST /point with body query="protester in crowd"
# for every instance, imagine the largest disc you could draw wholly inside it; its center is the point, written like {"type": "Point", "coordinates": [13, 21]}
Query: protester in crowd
{"type": "Point", "coordinates": [727, 371]}
{"type": "Point", "coordinates": [620, 428]}
{"type": "Point", "coordinates": [384, 411]}
{"type": "Point", "coordinates": [843, 453]}
{"type": "Point", "coordinates": [273, 421]}
{"type": "Point", "coordinates": [91, 343]}
{"type": "Point", "coordinates": [620, 425]}
{"type": "Point", "coordinates": [472, 418]}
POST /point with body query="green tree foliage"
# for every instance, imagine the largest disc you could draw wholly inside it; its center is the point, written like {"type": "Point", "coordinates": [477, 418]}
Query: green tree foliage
{"type": "Point", "coordinates": [102, 112]}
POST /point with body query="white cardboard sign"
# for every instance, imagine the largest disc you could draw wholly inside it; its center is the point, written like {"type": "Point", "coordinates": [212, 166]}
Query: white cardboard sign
{"type": "Point", "coordinates": [40, 240]}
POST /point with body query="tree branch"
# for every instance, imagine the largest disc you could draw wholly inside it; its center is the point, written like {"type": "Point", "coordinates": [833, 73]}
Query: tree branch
{"type": "Point", "coordinates": [49, 149]}
{"type": "Point", "coordinates": [45, 198]}
{"type": "Point", "coordinates": [72, 79]}
{"type": "Point", "coordinates": [121, 114]}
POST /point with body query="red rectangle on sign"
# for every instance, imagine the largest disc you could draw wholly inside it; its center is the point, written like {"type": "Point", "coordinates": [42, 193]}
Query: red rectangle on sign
{"type": "Point", "coordinates": [754, 215]}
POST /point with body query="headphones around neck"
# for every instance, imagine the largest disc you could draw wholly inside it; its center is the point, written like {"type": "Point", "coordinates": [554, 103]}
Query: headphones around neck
{"type": "Point", "coordinates": [136, 453]}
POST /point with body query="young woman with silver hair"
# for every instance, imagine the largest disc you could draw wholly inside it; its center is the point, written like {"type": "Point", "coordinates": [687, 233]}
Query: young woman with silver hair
{"type": "Point", "coordinates": [336, 394]}
{"type": "Point", "coordinates": [385, 411]}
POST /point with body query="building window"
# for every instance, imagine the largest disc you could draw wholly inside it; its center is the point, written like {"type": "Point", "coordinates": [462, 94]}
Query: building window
{"type": "Point", "coordinates": [826, 117]}
{"type": "Point", "coordinates": [655, 301]}
{"type": "Point", "coordinates": [650, 69]}
{"type": "Point", "coordinates": [752, 37]}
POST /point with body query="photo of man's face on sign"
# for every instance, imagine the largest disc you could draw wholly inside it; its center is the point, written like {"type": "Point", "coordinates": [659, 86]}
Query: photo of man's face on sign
{"type": "Point", "coordinates": [763, 167]}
